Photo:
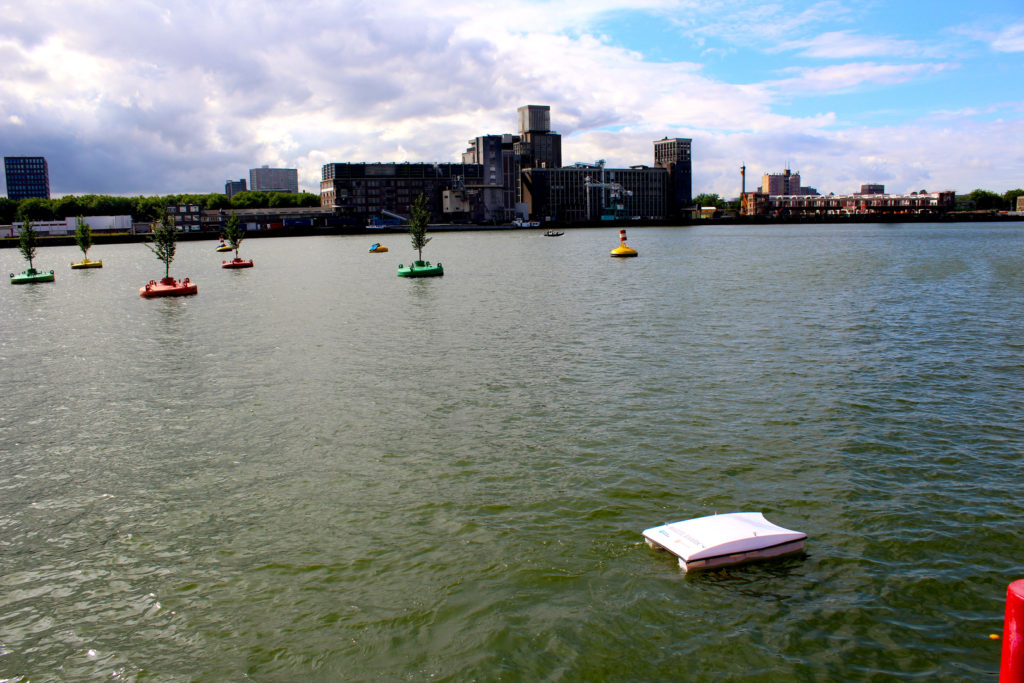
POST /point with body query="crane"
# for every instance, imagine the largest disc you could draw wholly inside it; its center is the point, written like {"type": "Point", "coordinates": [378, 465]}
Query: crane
{"type": "Point", "coordinates": [615, 192]}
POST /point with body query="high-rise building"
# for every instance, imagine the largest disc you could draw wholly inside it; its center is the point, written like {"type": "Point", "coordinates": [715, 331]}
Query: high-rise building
{"type": "Point", "coordinates": [786, 183]}
{"type": "Point", "coordinates": [495, 195]}
{"type": "Point", "coordinates": [674, 154]}
{"type": "Point", "coordinates": [538, 147]}
{"type": "Point", "coordinates": [233, 187]}
{"type": "Point", "coordinates": [27, 178]}
{"type": "Point", "coordinates": [266, 179]}
{"type": "Point", "coordinates": [871, 188]}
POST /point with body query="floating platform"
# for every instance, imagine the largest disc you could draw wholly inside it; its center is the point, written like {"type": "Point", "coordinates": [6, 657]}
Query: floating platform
{"type": "Point", "coordinates": [168, 286]}
{"type": "Point", "coordinates": [420, 269]}
{"type": "Point", "coordinates": [378, 249]}
{"type": "Point", "coordinates": [31, 275]}
{"type": "Point", "coordinates": [721, 540]}
{"type": "Point", "coordinates": [236, 263]}
{"type": "Point", "coordinates": [86, 263]}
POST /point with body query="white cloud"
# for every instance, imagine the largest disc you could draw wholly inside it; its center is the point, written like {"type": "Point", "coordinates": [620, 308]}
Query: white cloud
{"type": "Point", "coordinates": [147, 97]}
{"type": "Point", "coordinates": [1010, 39]}
{"type": "Point", "coordinates": [850, 45]}
{"type": "Point", "coordinates": [843, 77]}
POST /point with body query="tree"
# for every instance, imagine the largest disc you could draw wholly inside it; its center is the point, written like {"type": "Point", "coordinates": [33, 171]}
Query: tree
{"type": "Point", "coordinates": [1011, 198]}
{"type": "Point", "coordinates": [68, 206]}
{"type": "Point", "coordinates": [234, 233]}
{"type": "Point", "coordinates": [83, 236]}
{"type": "Point", "coordinates": [164, 242]}
{"type": "Point", "coordinates": [420, 216]}
{"type": "Point", "coordinates": [27, 243]}
{"type": "Point", "coordinates": [35, 209]}
{"type": "Point", "coordinates": [8, 210]}
{"type": "Point", "coordinates": [709, 200]}
{"type": "Point", "coordinates": [984, 200]}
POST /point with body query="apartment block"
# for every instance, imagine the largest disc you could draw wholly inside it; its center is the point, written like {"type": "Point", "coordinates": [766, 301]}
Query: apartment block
{"type": "Point", "coordinates": [27, 178]}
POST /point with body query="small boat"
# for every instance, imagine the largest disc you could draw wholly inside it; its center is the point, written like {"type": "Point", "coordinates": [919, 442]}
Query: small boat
{"type": "Point", "coordinates": [236, 263]}
{"type": "Point", "coordinates": [623, 250]}
{"type": "Point", "coordinates": [223, 247]}
{"type": "Point", "coordinates": [420, 269]}
{"type": "Point", "coordinates": [86, 263]}
{"type": "Point", "coordinates": [31, 275]}
{"type": "Point", "coordinates": [168, 286]}
{"type": "Point", "coordinates": [721, 540]}
{"type": "Point", "coordinates": [553, 233]}
{"type": "Point", "coordinates": [378, 248]}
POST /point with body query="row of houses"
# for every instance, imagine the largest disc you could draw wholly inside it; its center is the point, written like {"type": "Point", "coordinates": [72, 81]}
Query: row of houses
{"type": "Point", "coordinates": [764, 204]}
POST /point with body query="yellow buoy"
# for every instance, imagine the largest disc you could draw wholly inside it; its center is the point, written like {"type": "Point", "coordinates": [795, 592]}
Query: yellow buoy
{"type": "Point", "coordinates": [623, 249]}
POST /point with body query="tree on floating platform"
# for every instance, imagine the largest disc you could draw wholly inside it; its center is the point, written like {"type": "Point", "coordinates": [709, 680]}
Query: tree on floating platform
{"type": "Point", "coordinates": [164, 242]}
{"type": "Point", "coordinates": [27, 242]}
{"type": "Point", "coordinates": [234, 233]}
{"type": "Point", "coordinates": [83, 236]}
{"type": "Point", "coordinates": [419, 217]}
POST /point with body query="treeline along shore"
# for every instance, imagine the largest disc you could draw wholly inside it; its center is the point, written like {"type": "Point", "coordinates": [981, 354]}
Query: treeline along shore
{"type": "Point", "coordinates": [305, 231]}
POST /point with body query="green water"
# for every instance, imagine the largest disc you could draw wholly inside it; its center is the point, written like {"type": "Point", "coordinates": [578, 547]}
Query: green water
{"type": "Point", "coordinates": [314, 470]}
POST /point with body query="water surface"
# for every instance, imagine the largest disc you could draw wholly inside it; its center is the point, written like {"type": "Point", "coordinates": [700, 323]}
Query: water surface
{"type": "Point", "coordinates": [315, 470]}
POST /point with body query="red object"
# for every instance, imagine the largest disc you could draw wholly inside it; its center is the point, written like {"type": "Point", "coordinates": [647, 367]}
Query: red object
{"type": "Point", "coordinates": [236, 263]}
{"type": "Point", "coordinates": [168, 286]}
{"type": "Point", "coordinates": [1011, 669]}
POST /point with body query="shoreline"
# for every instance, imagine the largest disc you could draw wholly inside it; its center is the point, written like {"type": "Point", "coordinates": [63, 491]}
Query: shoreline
{"type": "Point", "coordinates": [122, 238]}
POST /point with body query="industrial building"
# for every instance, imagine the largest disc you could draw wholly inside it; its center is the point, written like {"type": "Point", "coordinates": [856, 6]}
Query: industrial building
{"type": "Point", "coordinates": [538, 146]}
{"type": "Point", "coordinates": [508, 176]}
{"type": "Point", "coordinates": [365, 190]}
{"type": "Point", "coordinates": [494, 198]}
{"type": "Point", "coordinates": [591, 192]}
{"type": "Point", "coordinates": [27, 178]}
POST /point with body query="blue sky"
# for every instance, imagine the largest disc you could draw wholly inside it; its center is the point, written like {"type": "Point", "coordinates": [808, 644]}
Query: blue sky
{"type": "Point", "coordinates": [152, 97]}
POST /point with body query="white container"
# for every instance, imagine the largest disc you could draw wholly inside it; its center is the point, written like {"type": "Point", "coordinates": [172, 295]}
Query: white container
{"type": "Point", "coordinates": [720, 540]}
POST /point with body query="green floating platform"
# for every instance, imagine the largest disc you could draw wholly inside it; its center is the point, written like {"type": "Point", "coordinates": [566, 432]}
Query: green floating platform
{"type": "Point", "coordinates": [31, 275]}
{"type": "Point", "coordinates": [420, 269]}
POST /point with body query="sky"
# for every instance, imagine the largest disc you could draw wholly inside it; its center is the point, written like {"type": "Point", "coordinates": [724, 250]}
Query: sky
{"type": "Point", "coordinates": [152, 97]}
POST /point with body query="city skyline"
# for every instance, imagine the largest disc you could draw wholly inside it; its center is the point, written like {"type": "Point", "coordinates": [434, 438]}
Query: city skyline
{"type": "Point", "coordinates": [150, 98]}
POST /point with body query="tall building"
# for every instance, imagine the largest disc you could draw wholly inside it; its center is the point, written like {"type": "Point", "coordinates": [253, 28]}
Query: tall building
{"type": "Point", "coordinates": [27, 178]}
{"type": "Point", "coordinates": [786, 183]}
{"type": "Point", "coordinates": [537, 147]}
{"type": "Point", "coordinates": [674, 154]}
{"type": "Point", "coordinates": [266, 179]}
{"type": "Point", "coordinates": [233, 187]}
{"type": "Point", "coordinates": [872, 188]}
{"type": "Point", "coordinates": [494, 197]}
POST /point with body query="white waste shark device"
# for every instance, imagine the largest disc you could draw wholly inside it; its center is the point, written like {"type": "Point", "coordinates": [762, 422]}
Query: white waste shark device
{"type": "Point", "coordinates": [720, 540]}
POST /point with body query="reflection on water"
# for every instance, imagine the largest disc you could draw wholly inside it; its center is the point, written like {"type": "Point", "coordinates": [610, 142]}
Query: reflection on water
{"type": "Point", "coordinates": [316, 470]}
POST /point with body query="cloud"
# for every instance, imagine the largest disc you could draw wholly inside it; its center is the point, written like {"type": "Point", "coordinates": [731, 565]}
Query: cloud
{"type": "Point", "coordinates": [1010, 39]}
{"type": "Point", "coordinates": [850, 45]}
{"type": "Point", "coordinates": [151, 97]}
{"type": "Point", "coordinates": [845, 77]}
